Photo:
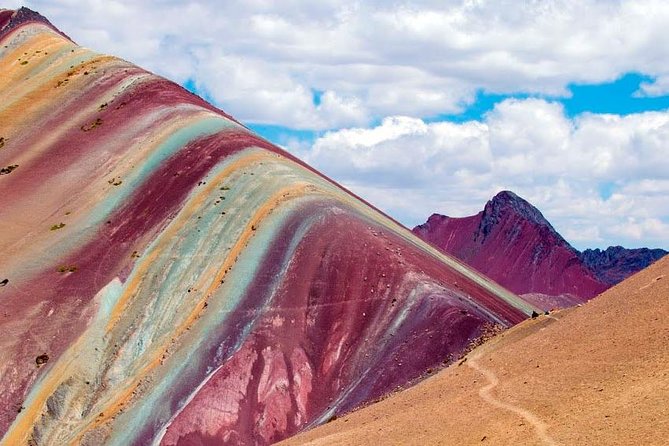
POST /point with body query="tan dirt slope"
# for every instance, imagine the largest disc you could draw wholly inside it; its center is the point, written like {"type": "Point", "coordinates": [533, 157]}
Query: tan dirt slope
{"type": "Point", "coordinates": [593, 375]}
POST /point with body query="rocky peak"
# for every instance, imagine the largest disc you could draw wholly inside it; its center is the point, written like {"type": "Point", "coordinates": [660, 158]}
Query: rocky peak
{"type": "Point", "coordinates": [505, 203]}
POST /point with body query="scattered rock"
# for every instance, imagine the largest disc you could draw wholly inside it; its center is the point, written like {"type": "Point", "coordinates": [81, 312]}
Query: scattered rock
{"type": "Point", "coordinates": [92, 125]}
{"type": "Point", "coordinates": [7, 170]}
{"type": "Point", "coordinates": [67, 269]}
{"type": "Point", "coordinates": [58, 226]}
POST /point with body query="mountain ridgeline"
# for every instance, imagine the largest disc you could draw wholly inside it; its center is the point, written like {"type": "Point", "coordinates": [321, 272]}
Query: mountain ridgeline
{"type": "Point", "coordinates": [615, 263]}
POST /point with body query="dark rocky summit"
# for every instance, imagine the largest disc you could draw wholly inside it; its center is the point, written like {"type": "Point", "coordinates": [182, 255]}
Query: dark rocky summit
{"type": "Point", "coordinates": [615, 263]}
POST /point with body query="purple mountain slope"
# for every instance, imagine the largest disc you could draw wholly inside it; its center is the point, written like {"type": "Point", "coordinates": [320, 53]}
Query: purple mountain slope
{"type": "Point", "coordinates": [511, 242]}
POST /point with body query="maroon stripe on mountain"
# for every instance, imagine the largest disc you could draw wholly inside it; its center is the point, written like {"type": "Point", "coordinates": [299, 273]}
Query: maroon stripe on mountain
{"type": "Point", "coordinates": [512, 243]}
{"type": "Point", "coordinates": [5, 16]}
{"type": "Point", "coordinates": [105, 255]}
{"type": "Point", "coordinates": [342, 296]}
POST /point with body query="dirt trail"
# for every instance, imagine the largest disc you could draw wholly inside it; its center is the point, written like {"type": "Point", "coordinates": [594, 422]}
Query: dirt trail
{"type": "Point", "coordinates": [649, 284]}
{"type": "Point", "coordinates": [597, 374]}
{"type": "Point", "coordinates": [485, 392]}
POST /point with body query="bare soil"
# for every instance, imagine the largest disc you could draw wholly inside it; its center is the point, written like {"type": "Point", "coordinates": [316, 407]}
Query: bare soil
{"type": "Point", "coordinates": [597, 374]}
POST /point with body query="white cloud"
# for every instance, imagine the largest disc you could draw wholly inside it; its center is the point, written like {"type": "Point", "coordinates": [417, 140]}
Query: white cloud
{"type": "Point", "coordinates": [261, 60]}
{"type": "Point", "coordinates": [411, 168]}
{"type": "Point", "coordinates": [641, 229]}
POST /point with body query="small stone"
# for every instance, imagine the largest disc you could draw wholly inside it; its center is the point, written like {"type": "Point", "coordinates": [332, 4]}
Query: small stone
{"type": "Point", "coordinates": [9, 169]}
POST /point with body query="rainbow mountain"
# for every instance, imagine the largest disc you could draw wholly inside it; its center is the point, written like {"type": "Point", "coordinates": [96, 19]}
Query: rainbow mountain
{"type": "Point", "coordinates": [169, 277]}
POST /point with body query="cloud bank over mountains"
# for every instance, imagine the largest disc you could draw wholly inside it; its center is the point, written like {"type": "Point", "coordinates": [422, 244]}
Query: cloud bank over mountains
{"type": "Point", "coordinates": [264, 60]}
{"type": "Point", "coordinates": [583, 173]}
{"type": "Point", "coordinates": [376, 82]}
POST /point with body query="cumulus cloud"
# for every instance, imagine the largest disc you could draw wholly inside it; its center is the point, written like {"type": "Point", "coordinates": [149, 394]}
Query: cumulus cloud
{"type": "Point", "coordinates": [261, 61]}
{"type": "Point", "coordinates": [600, 179]}
{"type": "Point", "coordinates": [636, 229]}
{"type": "Point", "coordinates": [397, 66]}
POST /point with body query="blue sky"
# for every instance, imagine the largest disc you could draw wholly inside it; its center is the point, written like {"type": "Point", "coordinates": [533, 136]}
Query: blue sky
{"type": "Point", "coordinates": [426, 106]}
{"type": "Point", "coordinates": [618, 97]}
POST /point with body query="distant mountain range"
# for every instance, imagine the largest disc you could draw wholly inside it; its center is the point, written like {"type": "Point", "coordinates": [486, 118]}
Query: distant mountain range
{"type": "Point", "coordinates": [615, 263]}
{"type": "Point", "coordinates": [511, 242]}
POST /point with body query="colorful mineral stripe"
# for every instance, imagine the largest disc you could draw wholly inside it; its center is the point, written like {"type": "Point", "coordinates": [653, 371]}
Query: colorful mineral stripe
{"type": "Point", "coordinates": [168, 277]}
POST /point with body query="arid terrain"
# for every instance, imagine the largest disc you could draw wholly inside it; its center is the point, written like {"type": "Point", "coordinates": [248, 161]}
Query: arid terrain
{"type": "Point", "coordinates": [592, 375]}
{"type": "Point", "coordinates": [171, 277]}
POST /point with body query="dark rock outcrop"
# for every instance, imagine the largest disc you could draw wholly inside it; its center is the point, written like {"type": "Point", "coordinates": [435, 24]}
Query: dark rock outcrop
{"type": "Point", "coordinates": [615, 263]}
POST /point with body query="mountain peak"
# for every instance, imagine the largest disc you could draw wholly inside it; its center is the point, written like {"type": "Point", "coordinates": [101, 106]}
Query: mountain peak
{"type": "Point", "coordinates": [512, 242]}
{"type": "Point", "coordinates": [509, 201]}
{"type": "Point", "coordinates": [10, 19]}
{"type": "Point", "coordinates": [503, 202]}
